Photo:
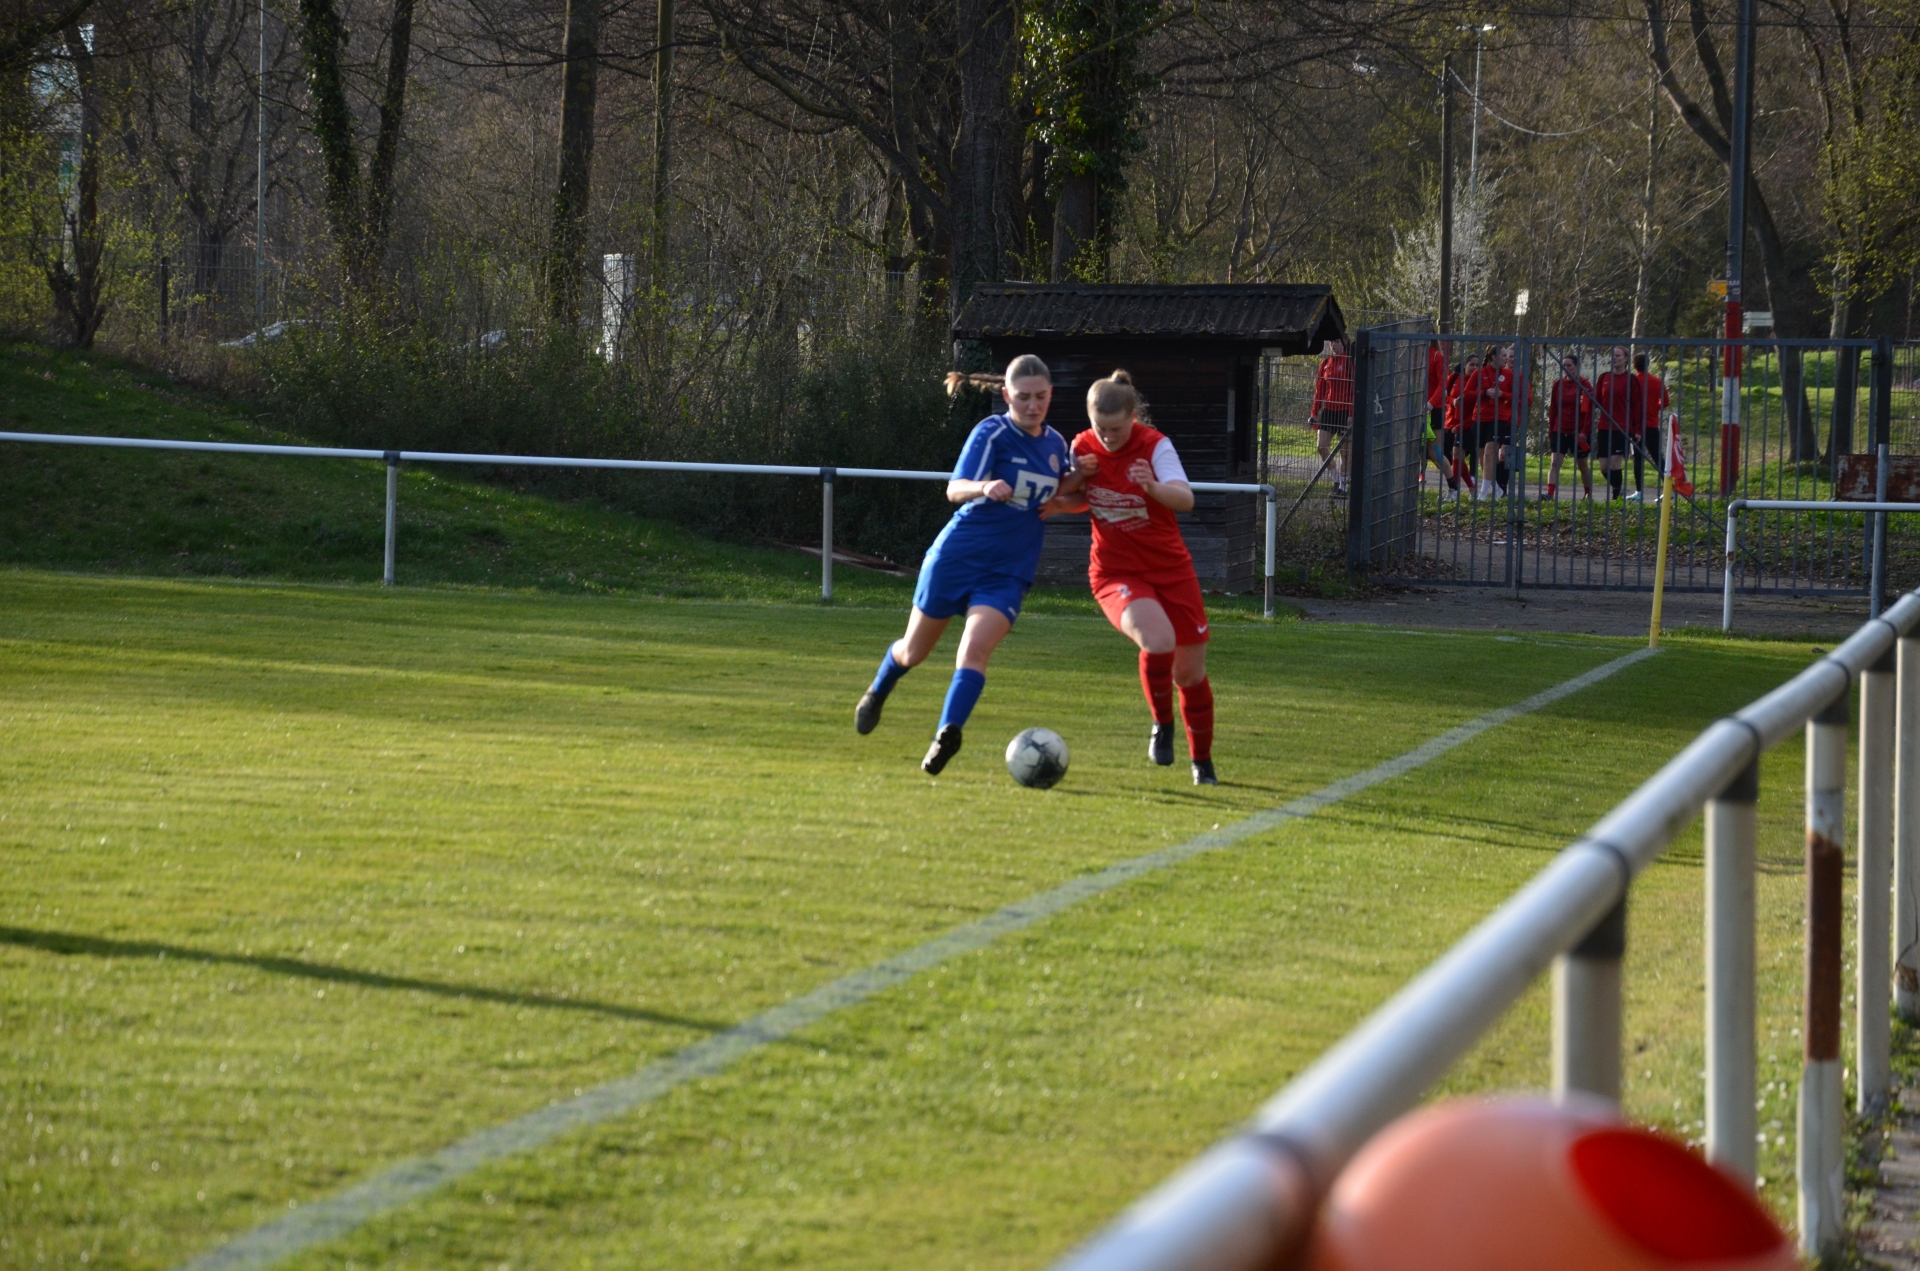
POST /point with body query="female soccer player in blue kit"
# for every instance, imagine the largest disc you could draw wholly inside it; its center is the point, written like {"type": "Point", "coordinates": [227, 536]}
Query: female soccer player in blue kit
{"type": "Point", "coordinates": [984, 560]}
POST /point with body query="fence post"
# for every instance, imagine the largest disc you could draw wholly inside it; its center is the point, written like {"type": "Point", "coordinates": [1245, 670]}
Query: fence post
{"type": "Point", "coordinates": [1359, 527]}
{"type": "Point", "coordinates": [1873, 974]}
{"type": "Point", "coordinates": [1586, 1010]}
{"type": "Point", "coordinates": [1906, 831]}
{"type": "Point", "coordinates": [1822, 1111]}
{"type": "Point", "coordinates": [1273, 511]}
{"type": "Point", "coordinates": [1517, 465]}
{"type": "Point", "coordinates": [1880, 424]}
{"type": "Point", "coordinates": [1731, 1062]}
{"type": "Point", "coordinates": [1726, 574]}
{"type": "Point", "coordinates": [826, 534]}
{"type": "Point", "coordinates": [393, 499]}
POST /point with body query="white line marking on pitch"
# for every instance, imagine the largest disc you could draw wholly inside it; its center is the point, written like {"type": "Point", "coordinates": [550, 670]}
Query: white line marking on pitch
{"type": "Point", "coordinates": [340, 1213]}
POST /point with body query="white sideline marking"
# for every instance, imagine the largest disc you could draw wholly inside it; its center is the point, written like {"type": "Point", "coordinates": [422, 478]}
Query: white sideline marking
{"type": "Point", "coordinates": [340, 1213]}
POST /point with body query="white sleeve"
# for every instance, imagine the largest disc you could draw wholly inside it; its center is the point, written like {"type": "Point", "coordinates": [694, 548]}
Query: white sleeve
{"type": "Point", "coordinates": [1166, 464]}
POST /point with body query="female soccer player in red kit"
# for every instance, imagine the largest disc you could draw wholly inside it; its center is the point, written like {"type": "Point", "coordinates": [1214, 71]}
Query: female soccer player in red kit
{"type": "Point", "coordinates": [1140, 569]}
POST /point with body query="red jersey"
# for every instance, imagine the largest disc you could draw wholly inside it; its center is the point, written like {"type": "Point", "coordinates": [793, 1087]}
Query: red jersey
{"type": "Point", "coordinates": [1333, 386]}
{"type": "Point", "coordinates": [1570, 408]}
{"type": "Point", "coordinates": [1619, 402]}
{"type": "Point", "coordinates": [1132, 534]}
{"type": "Point", "coordinates": [1457, 384]}
{"type": "Point", "coordinates": [1653, 400]}
{"type": "Point", "coordinates": [1480, 406]}
{"type": "Point", "coordinates": [1436, 377]}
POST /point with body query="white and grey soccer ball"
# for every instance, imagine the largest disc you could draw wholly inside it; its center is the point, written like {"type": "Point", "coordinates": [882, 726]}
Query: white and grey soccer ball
{"type": "Point", "coordinates": [1037, 758]}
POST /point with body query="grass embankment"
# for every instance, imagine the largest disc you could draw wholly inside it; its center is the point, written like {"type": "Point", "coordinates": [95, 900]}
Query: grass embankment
{"type": "Point", "coordinates": [313, 520]}
{"type": "Point", "coordinates": [305, 881]}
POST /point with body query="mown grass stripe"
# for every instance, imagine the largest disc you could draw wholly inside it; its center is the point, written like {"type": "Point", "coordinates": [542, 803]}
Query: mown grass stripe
{"type": "Point", "coordinates": [341, 1213]}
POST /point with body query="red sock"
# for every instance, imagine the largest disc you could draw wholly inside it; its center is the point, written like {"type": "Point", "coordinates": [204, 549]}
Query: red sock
{"type": "Point", "coordinates": [1156, 681]}
{"type": "Point", "coordinates": [1196, 708]}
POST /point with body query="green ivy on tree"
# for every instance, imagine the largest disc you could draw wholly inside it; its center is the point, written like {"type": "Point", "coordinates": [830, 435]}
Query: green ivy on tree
{"type": "Point", "coordinates": [1084, 79]}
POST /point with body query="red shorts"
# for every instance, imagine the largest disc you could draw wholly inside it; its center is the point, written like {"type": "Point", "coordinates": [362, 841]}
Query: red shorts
{"type": "Point", "coordinates": [1178, 594]}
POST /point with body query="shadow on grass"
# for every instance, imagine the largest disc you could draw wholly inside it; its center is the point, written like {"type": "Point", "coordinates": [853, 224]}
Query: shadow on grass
{"type": "Point", "coordinates": [68, 944]}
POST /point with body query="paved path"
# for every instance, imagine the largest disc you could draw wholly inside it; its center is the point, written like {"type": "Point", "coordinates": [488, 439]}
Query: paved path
{"type": "Point", "coordinates": [1589, 612]}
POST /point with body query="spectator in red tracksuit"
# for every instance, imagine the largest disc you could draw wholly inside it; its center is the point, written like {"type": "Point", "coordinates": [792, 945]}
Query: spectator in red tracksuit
{"type": "Point", "coordinates": [1458, 442]}
{"type": "Point", "coordinates": [1437, 416]}
{"type": "Point", "coordinates": [1653, 404]}
{"type": "Point", "coordinates": [1332, 410]}
{"type": "Point", "coordinates": [1493, 406]}
{"type": "Point", "coordinates": [1618, 399]}
{"type": "Point", "coordinates": [1570, 424]}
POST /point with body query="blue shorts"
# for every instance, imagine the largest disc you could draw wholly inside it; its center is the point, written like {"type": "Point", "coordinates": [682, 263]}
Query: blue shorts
{"type": "Point", "coordinates": [949, 588]}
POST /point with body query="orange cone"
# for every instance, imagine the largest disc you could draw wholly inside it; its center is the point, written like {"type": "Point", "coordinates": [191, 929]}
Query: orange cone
{"type": "Point", "coordinates": [1518, 1184]}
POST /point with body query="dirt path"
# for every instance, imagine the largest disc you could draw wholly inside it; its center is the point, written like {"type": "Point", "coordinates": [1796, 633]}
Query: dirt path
{"type": "Point", "coordinates": [1588, 612]}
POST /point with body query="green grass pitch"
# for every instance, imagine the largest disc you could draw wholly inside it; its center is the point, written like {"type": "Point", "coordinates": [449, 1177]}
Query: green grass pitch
{"type": "Point", "coordinates": [303, 881]}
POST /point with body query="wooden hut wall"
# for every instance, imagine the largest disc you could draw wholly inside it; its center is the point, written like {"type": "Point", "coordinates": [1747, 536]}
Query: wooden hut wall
{"type": "Point", "coordinates": [1189, 388]}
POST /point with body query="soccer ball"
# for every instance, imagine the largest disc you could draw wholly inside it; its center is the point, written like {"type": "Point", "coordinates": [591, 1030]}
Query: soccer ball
{"type": "Point", "coordinates": [1037, 758]}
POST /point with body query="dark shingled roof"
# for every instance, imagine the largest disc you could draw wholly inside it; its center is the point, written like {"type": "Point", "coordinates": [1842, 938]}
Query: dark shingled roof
{"type": "Point", "coordinates": [1292, 317]}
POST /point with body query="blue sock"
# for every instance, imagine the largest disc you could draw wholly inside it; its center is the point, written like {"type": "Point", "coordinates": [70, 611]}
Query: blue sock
{"type": "Point", "coordinates": [961, 696]}
{"type": "Point", "coordinates": [888, 675]}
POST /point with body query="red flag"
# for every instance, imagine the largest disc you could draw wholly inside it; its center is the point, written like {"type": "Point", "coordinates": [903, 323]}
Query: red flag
{"type": "Point", "coordinates": [1676, 459]}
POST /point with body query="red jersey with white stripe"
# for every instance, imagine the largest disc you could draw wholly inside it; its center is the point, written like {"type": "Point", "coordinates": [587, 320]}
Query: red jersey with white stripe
{"type": "Point", "coordinates": [1333, 385]}
{"type": "Point", "coordinates": [1132, 534]}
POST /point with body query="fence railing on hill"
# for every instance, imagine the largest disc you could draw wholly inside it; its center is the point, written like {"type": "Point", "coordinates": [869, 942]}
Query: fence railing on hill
{"type": "Point", "coordinates": [826, 474]}
{"type": "Point", "coordinates": [1250, 1202]}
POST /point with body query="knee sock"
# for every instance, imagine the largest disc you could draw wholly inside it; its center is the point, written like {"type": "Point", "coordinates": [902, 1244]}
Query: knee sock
{"type": "Point", "coordinates": [1156, 681]}
{"type": "Point", "coordinates": [1500, 473]}
{"type": "Point", "coordinates": [1639, 470]}
{"type": "Point", "coordinates": [1196, 709]}
{"type": "Point", "coordinates": [888, 675]}
{"type": "Point", "coordinates": [1614, 481]}
{"type": "Point", "coordinates": [961, 696]}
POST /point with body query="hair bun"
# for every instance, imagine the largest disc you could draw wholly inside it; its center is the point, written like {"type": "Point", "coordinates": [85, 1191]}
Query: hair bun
{"type": "Point", "coordinates": [1121, 377]}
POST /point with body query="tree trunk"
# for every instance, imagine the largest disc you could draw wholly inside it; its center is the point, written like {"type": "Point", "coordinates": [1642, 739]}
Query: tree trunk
{"type": "Point", "coordinates": [662, 137]}
{"type": "Point", "coordinates": [1076, 222]}
{"type": "Point", "coordinates": [77, 286]}
{"type": "Point", "coordinates": [1643, 272]}
{"type": "Point", "coordinates": [987, 153]}
{"type": "Point", "coordinates": [323, 40]}
{"type": "Point", "coordinates": [566, 245]}
{"type": "Point", "coordinates": [386, 144]}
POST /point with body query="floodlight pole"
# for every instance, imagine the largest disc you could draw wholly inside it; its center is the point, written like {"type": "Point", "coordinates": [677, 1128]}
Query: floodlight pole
{"type": "Point", "coordinates": [260, 188]}
{"type": "Point", "coordinates": [1446, 194]}
{"type": "Point", "coordinates": [1736, 248]}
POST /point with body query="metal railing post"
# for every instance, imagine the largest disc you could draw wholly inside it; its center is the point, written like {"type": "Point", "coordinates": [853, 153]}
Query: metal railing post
{"type": "Point", "coordinates": [393, 499]}
{"type": "Point", "coordinates": [1874, 973]}
{"type": "Point", "coordinates": [1731, 1046]}
{"type": "Point", "coordinates": [1878, 586]}
{"type": "Point", "coordinates": [1273, 508]}
{"type": "Point", "coordinates": [1822, 1112]}
{"type": "Point", "coordinates": [1906, 831]}
{"type": "Point", "coordinates": [1586, 1010]}
{"type": "Point", "coordinates": [1733, 547]}
{"type": "Point", "coordinates": [826, 534]}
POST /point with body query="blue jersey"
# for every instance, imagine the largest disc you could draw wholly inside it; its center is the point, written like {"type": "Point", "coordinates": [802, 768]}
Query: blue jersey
{"type": "Point", "coordinates": [1002, 538]}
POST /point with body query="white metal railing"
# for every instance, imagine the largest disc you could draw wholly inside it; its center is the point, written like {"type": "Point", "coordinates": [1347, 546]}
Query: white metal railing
{"type": "Point", "coordinates": [394, 458]}
{"type": "Point", "coordinates": [1249, 1202]}
{"type": "Point", "coordinates": [1880, 511]}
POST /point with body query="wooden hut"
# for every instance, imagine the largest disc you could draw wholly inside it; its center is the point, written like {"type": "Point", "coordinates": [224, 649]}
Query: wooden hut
{"type": "Point", "coordinates": [1194, 352]}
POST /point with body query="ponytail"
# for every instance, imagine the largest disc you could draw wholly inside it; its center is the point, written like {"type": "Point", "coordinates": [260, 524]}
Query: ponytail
{"type": "Point", "coordinates": [1116, 395]}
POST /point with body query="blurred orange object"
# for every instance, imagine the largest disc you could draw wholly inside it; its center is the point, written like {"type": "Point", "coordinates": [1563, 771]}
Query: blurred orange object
{"type": "Point", "coordinates": [1520, 1184]}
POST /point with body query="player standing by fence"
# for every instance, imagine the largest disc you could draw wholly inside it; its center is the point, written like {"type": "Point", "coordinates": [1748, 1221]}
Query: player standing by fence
{"type": "Point", "coordinates": [1331, 413]}
{"type": "Point", "coordinates": [1616, 401]}
{"type": "Point", "coordinates": [984, 560]}
{"type": "Point", "coordinates": [1570, 425]}
{"type": "Point", "coordinates": [1493, 407]}
{"type": "Point", "coordinates": [1653, 400]}
{"type": "Point", "coordinates": [1141, 571]}
{"type": "Point", "coordinates": [1459, 443]}
{"type": "Point", "coordinates": [1437, 420]}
